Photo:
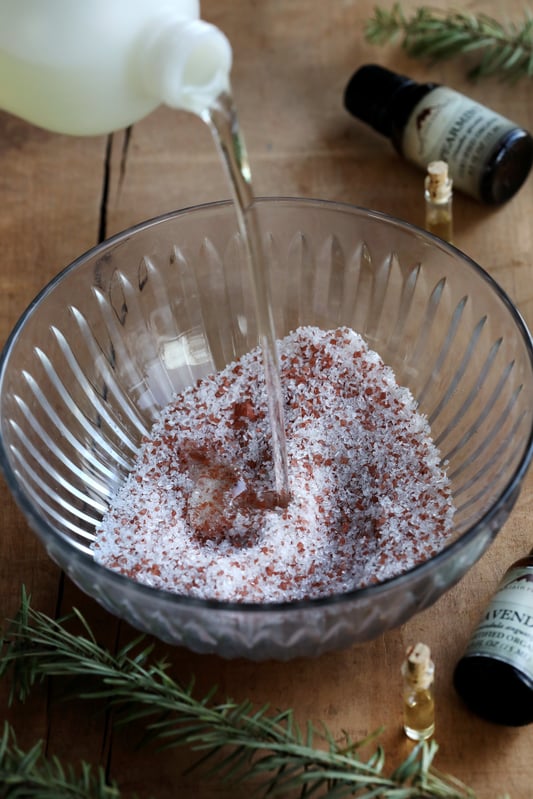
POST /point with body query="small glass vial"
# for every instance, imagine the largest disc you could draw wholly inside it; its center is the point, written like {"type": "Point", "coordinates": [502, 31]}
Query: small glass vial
{"type": "Point", "coordinates": [488, 155]}
{"type": "Point", "coordinates": [495, 675]}
{"type": "Point", "coordinates": [438, 196]}
{"type": "Point", "coordinates": [418, 672]}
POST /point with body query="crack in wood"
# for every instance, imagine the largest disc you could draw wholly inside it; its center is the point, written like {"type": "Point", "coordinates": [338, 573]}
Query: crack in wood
{"type": "Point", "coordinates": [102, 227]}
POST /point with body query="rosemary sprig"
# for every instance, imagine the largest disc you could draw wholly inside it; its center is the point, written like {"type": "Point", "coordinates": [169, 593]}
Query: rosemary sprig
{"type": "Point", "coordinates": [503, 50]}
{"type": "Point", "coordinates": [236, 741]}
{"type": "Point", "coordinates": [30, 775]}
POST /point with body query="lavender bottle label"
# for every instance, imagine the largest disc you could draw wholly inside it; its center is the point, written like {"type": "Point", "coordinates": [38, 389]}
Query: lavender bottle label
{"type": "Point", "coordinates": [447, 126]}
{"type": "Point", "coordinates": [506, 630]}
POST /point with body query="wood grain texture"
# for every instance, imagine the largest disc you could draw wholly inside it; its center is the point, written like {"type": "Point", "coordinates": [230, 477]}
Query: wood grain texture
{"type": "Point", "coordinates": [292, 59]}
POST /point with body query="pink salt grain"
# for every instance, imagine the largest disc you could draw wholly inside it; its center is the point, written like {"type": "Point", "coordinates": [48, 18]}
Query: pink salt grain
{"type": "Point", "coordinates": [369, 497]}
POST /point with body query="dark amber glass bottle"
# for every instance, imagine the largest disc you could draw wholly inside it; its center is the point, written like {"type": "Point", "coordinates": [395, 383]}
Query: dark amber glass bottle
{"type": "Point", "coordinates": [489, 157]}
{"type": "Point", "coordinates": [495, 675]}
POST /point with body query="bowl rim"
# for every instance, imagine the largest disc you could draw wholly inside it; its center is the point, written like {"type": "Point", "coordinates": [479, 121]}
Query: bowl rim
{"type": "Point", "coordinates": [47, 532]}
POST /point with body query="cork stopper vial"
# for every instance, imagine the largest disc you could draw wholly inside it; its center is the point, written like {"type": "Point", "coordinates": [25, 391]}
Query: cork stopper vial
{"type": "Point", "coordinates": [418, 702]}
{"type": "Point", "coordinates": [438, 200]}
{"type": "Point", "coordinates": [438, 184]}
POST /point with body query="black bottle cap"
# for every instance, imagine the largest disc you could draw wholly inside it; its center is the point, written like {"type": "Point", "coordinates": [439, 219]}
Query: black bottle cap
{"type": "Point", "coordinates": [369, 93]}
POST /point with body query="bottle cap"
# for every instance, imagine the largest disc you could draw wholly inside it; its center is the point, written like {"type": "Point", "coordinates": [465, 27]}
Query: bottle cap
{"type": "Point", "coordinates": [438, 184]}
{"type": "Point", "coordinates": [369, 93]}
{"type": "Point", "coordinates": [418, 668]}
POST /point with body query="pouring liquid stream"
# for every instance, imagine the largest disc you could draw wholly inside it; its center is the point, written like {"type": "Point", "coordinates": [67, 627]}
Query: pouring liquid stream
{"type": "Point", "coordinates": [98, 76]}
{"type": "Point", "coordinates": [222, 120]}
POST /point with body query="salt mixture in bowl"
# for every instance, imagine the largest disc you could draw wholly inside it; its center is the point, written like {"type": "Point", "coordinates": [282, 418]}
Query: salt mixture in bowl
{"type": "Point", "coordinates": [369, 497]}
{"type": "Point", "coordinates": [408, 384]}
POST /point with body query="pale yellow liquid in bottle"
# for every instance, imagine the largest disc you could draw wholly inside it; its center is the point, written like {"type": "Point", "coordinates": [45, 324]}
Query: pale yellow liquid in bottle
{"type": "Point", "coordinates": [419, 714]}
{"type": "Point", "coordinates": [439, 222]}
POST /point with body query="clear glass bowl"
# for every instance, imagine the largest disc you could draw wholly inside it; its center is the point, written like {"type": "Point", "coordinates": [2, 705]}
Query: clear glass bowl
{"type": "Point", "coordinates": [109, 340]}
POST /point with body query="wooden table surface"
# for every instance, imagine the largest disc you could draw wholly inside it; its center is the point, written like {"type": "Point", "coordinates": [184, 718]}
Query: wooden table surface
{"type": "Point", "coordinates": [60, 195]}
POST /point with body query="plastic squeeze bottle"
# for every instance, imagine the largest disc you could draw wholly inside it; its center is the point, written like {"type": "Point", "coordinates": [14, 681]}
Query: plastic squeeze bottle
{"type": "Point", "coordinates": [93, 66]}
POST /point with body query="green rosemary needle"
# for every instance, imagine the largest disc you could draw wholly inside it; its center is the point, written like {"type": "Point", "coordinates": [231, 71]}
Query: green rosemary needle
{"type": "Point", "coordinates": [502, 50]}
{"type": "Point", "coordinates": [239, 741]}
{"type": "Point", "coordinates": [30, 775]}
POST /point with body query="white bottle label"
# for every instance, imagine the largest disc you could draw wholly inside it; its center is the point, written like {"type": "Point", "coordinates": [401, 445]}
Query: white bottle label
{"type": "Point", "coordinates": [447, 126]}
{"type": "Point", "coordinates": [506, 630]}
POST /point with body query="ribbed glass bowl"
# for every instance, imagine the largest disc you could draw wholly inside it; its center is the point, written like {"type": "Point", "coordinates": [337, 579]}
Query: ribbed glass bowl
{"type": "Point", "coordinates": [87, 370]}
